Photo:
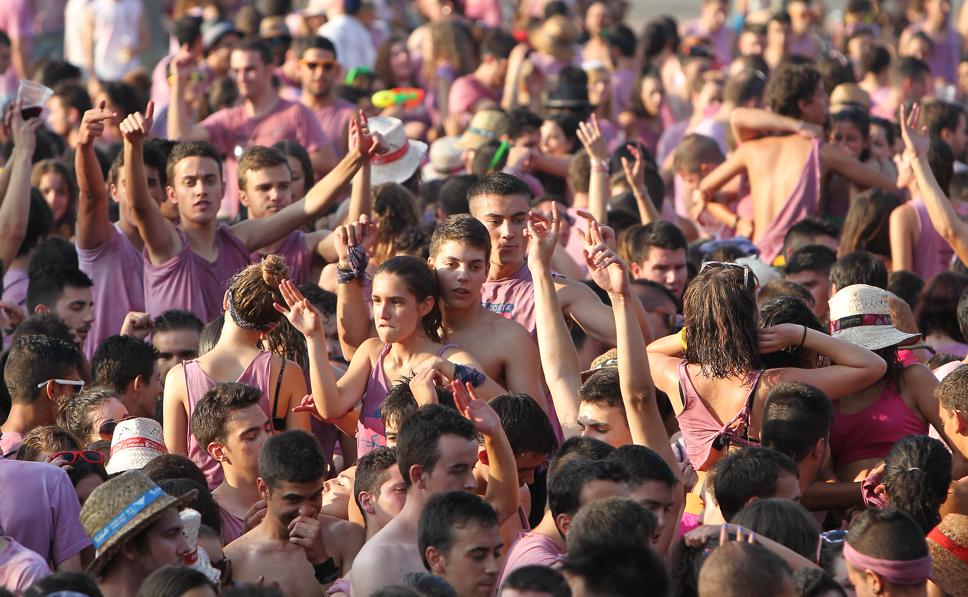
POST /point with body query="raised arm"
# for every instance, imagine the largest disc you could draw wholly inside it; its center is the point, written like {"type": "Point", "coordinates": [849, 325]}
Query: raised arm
{"type": "Point", "coordinates": [734, 165]}
{"type": "Point", "coordinates": [93, 223]}
{"type": "Point", "coordinates": [361, 195]}
{"type": "Point", "coordinates": [15, 209]}
{"type": "Point", "coordinates": [749, 123]}
{"type": "Point", "coordinates": [181, 126]}
{"type": "Point", "coordinates": [635, 176]}
{"type": "Point", "coordinates": [854, 170]}
{"type": "Point", "coordinates": [161, 238]}
{"type": "Point", "coordinates": [353, 241]}
{"type": "Point", "coordinates": [559, 359]}
{"type": "Point", "coordinates": [591, 137]}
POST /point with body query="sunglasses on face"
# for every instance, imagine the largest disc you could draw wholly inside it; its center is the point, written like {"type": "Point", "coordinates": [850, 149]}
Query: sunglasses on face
{"type": "Point", "coordinates": [106, 429]}
{"type": "Point", "coordinates": [326, 65]}
{"type": "Point", "coordinates": [728, 264]}
{"type": "Point", "coordinates": [72, 456]}
{"type": "Point", "coordinates": [63, 382]}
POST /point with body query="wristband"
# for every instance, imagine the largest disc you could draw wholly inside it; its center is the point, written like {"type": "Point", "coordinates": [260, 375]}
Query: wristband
{"type": "Point", "coordinates": [804, 339]}
{"type": "Point", "coordinates": [327, 572]}
{"type": "Point", "coordinates": [465, 374]}
{"type": "Point", "coordinates": [357, 270]}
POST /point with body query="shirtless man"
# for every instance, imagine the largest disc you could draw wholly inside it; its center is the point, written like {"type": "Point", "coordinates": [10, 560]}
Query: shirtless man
{"type": "Point", "coordinates": [436, 453]}
{"type": "Point", "coordinates": [287, 545]}
{"type": "Point", "coordinates": [786, 172]}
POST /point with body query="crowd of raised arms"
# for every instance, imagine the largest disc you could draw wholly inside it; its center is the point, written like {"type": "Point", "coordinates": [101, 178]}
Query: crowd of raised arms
{"type": "Point", "coordinates": [483, 298]}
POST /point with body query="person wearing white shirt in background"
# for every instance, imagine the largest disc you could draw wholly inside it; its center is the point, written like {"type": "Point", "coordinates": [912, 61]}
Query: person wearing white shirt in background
{"type": "Point", "coordinates": [353, 40]}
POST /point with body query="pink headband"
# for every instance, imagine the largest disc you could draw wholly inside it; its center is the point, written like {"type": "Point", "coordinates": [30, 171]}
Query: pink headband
{"type": "Point", "coordinates": [898, 572]}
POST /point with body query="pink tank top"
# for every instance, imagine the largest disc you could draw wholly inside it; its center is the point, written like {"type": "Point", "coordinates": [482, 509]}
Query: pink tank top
{"type": "Point", "coordinates": [293, 250]}
{"type": "Point", "coordinates": [197, 382]}
{"type": "Point", "coordinates": [871, 432]}
{"type": "Point", "coordinates": [802, 203]}
{"type": "Point", "coordinates": [932, 254]}
{"type": "Point", "coordinates": [512, 298]}
{"type": "Point", "coordinates": [700, 427]}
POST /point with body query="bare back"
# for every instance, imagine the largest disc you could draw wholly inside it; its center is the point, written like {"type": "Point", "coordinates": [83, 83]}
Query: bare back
{"type": "Point", "coordinates": [774, 166]}
{"type": "Point", "coordinates": [386, 558]}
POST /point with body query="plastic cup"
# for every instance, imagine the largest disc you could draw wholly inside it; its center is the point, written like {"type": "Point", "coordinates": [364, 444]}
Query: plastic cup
{"type": "Point", "coordinates": [32, 97]}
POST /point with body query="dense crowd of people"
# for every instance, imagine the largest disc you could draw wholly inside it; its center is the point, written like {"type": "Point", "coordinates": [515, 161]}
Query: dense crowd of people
{"type": "Point", "coordinates": [483, 298]}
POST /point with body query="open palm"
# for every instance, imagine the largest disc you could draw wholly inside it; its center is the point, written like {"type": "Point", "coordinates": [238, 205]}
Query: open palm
{"type": "Point", "coordinates": [299, 311]}
{"type": "Point", "coordinates": [915, 139]}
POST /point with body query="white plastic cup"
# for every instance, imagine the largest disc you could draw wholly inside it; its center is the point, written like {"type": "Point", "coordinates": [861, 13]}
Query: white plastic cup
{"type": "Point", "coordinates": [32, 97]}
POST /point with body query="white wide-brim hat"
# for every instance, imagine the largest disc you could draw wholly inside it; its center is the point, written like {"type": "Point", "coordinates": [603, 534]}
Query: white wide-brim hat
{"type": "Point", "coordinates": [860, 314]}
{"type": "Point", "coordinates": [402, 156]}
{"type": "Point", "coordinates": [135, 443]}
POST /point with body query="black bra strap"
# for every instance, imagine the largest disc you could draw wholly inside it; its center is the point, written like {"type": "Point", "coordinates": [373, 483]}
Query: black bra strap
{"type": "Point", "coordinates": [275, 400]}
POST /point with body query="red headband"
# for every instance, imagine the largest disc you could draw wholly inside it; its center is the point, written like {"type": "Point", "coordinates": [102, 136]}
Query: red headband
{"type": "Point", "coordinates": [898, 572]}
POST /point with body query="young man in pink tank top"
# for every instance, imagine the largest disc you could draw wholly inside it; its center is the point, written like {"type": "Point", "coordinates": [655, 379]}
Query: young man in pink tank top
{"type": "Point", "coordinates": [189, 266]}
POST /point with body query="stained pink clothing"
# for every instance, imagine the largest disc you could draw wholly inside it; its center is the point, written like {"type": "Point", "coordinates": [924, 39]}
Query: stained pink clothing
{"type": "Point", "coordinates": [15, 282]}
{"type": "Point", "coordinates": [293, 249]}
{"type": "Point", "coordinates": [945, 54]}
{"type": "Point", "coordinates": [802, 203]}
{"type": "Point", "coordinates": [197, 382]}
{"type": "Point", "coordinates": [722, 40]}
{"type": "Point", "coordinates": [871, 432]}
{"type": "Point", "coordinates": [9, 443]}
{"type": "Point", "coordinates": [114, 295]}
{"type": "Point", "coordinates": [623, 81]}
{"type": "Point", "coordinates": [931, 253]}
{"type": "Point", "coordinates": [188, 281]}
{"type": "Point", "coordinates": [467, 92]}
{"type": "Point", "coordinates": [334, 121]}
{"type": "Point", "coordinates": [51, 524]}
{"type": "Point", "coordinates": [20, 567]}
{"type": "Point", "coordinates": [487, 12]}
{"type": "Point", "coordinates": [512, 298]}
{"type": "Point", "coordinates": [232, 128]}
{"type": "Point", "coordinates": [531, 549]}
{"type": "Point", "coordinates": [233, 527]}
{"type": "Point", "coordinates": [699, 424]}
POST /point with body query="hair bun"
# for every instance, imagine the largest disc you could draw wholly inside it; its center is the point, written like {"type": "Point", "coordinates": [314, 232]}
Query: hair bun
{"type": "Point", "coordinates": [274, 270]}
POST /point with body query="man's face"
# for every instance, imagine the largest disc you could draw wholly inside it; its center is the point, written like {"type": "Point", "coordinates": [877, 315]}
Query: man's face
{"type": "Point", "coordinates": [473, 561]}
{"type": "Point", "coordinates": [506, 219]}
{"type": "Point", "coordinates": [527, 464]}
{"type": "Point", "coordinates": [530, 139]}
{"type": "Point", "coordinates": [267, 191]}
{"type": "Point", "coordinates": [958, 138]}
{"type": "Point", "coordinates": [76, 307]}
{"type": "Point", "coordinates": [847, 136]}
{"type": "Point", "coordinates": [750, 44]}
{"type": "Point", "coordinates": [5, 57]}
{"type": "Point", "coordinates": [173, 347]}
{"type": "Point", "coordinates": [814, 108]}
{"type": "Point", "coordinates": [338, 491]}
{"type": "Point", "coordinates": [246, 431]}
{"type": "Point", "coordinates": [605, 423]}
{"type": "Point", "coordinates": [157, 192]}
{"type": "Point", "coordinates": [289, 500]}
{"type": "Point", "coordinates": [666, 267]}
{"type": "Point", "coordinates": [252, 76]}
{"type": "Point", "coordinates": [658, 498]}
{"type": "Point", "coordinates": [59, 117]}
{"type": "Point", "coordinates": [393, 496]}
{"type": "Point", "coordinates": [787, 487]}
{"type": "Point", "coordinates": [461, 271]}
{"type": "Point", "coordinates": [166, 545]}
{"type": "Point", "coordinates": [819, 286]}
{"type": "Point", "coordinates": [454, 470]}
{"type": "Point", "coordinates": [319, 72]}
{"type": "Point", "coordinates": [145, 404]}
{"type": "Point", "coordinates": [197, 189]}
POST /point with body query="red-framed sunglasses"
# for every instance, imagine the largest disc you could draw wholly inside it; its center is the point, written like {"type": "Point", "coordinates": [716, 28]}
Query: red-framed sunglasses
{"type": "Point", "coordinates": [72, 456]}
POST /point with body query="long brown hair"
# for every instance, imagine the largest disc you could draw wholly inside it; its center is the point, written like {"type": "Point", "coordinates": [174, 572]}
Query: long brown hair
{"type": "Point", "coordinates": [63, 227]}
{"type": "Point", "coordinates": [866, 227]}
{"type": "Point", "coordinates": [253, 292]}
{"type": "Point", "coordinates": [421, 281]}
{"type": "Point", "coordinates": [394, 212]}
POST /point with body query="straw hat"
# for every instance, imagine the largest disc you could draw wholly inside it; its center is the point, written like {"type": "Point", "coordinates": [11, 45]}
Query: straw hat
{"type": "Point", "coordinates": [274, 27]}
{"type": "Point", "coordinates": [212, 34]}
{"type": "Point", "coordinates": [135, 443]}
{"type": "Point", "coordinates": [948, 545]}
{"type": "Point", "coordinates": [198, 558]}
{"type": "Point", "coordinates": [120, 509]}
{"type": "Point", "coordinates": [849, 95]}
{"type": "Point", "coordinates": [445, 158]}
{"type": "Point", "coordinates": [486, 125]}
{"type": "Point", "coordinates": [606, 360]}
{"type": "Point", "coordinates": [556, 36]}
{"type": "Point", "coordinates": [402, 156]}
{"type": "Point", "coordinates": [861, 315]}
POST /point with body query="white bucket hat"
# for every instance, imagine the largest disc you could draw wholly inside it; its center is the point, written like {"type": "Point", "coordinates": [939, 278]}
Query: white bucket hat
{"type": "Point", "coordinates": [860, 314]}
{"type": "Point", "coordinates": [402, 156]}
{"type": "Point", "coordinates": [135, 443]}
{"type": "Point", "coordinates": [445, 159]}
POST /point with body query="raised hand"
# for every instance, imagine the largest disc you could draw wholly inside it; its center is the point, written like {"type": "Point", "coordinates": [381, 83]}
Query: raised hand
{"type": "Point", "coordinates": [543, 236]}
{"type": "Point", "coordinates": [591, 137]}
{"type": "Point", "coordinates": [423, 385]}
{"type": "Point", "coordinates": [307, 533]}
{"type": "Point", "coordinates": [363, 233]}
{"type": "Point", "coordinates": [607, 232]}
{"type": "Point", "coordinates": [778, 337]}
{"type": "Point", "coordinates": [24, 132]}
{"type": "Point", "coordinates": [475, 410]}
{"type": "Point", "coordinates": [137, 127]}
{"type": "Point", "coordinates": [182, 64]}
{"type": "Point", "coordinates": [604, 266]}
{"type": "Point", "coordinates": [299, 311]}
{"type": "Point", "coordinates": [360, 139]}
{"type": "Point", "coordinates": [916, 139]}
{"type": "Point", "coordinates": [634, 171]}
{"type": "Point", "coordinates": [92, 124]}
{"type": "Point", "coordinates": [136, 325]}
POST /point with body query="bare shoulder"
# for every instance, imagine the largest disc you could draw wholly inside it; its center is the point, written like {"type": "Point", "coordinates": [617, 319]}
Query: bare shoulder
{"type": "Point", "coordinates": [918, 379]}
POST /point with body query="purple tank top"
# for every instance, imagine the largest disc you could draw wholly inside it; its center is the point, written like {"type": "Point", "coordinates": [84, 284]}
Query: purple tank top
{"type": "Point", "coordinates": [932, 254]}
{"type": "Point", "coordinates": [188, 281]}
{"type": "Point", "coordinates": [293, 250]}
{"type": "Point", "coordinates": [802, 203]}
{"type": "Point", "coordinates": [512, 298]}
{"type": "Point", "coordinates": [197, 382]}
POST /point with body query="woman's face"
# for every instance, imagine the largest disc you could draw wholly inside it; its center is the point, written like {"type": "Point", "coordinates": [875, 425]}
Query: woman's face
{"type": "Point", "coordinates": [917, 47]}
{"type": "Point", "coordinates": [54, 189]}
{"type": "Point", "coordinates": [937, 10]}
{"type": "Point", "coordinates": [597, 18]}
{"type": "Point", "coordinates": [400, 64]}
{"type": "Point", "coordinates": [777, 34]}
{"type": "Point", "coordinates": [599, 91]}
{"type": "Point", "coordinates": [847, 136]}
{"type": "Point", "coordinates": [396, 311]}
{"type": "Point", "coordinates": [298, 184]}
{"type": "Point", "coordinates": [110, 410]}
{"type": "Point", "coordinates": [879, 146]}
{"type": "Point", "coordinates": [652, 94]}
{"type": "Point", "coordinates": [553, 140]}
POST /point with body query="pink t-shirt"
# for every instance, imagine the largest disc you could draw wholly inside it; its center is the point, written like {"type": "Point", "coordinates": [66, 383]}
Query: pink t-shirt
{"type": "Point", "coordinates": [623, 80]}
{"type": "Point", "coordinates": [10, 443]}
{"type": "Point", "coordinates": [233, 527]}
{"type": "Point", "coordinates": [15, 19]}
{"type": "Point", "coordinates": [512, 298]}
{"type": "Point", "coordinates": [20, 567]}
{"type": "Point", "coordinates": [334, 120]}
{"type": "Point", "coordinates": [187, 281]}
{"type": "Point", "coordinates": [51, 525]}
{"type": "Point", "coordinates": [466, 92]}
{"type": "Point", "coordinates": [232, 128]}
{"type": "Point", "coordinates": [15, 283]}
{"type": "Point", "coordinates": [531, 549]}
{"type": "Point", "coordinates": [114, 295]}
{"type": "Point", "coordinates": [721, 40]}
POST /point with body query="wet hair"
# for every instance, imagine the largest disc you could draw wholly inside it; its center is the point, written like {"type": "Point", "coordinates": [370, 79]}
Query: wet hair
{"type": "Point", "coordinates": [371, 472]}
{"type": "Point", "coordinates": [782, 289]}
{"type": "Point", "coordinates": [444, 513]}
{"type": "Point", "coordinates": [694, 151]}
{"type": "Point", "coordinates": [452, 199]}
{"type": "Point", "coordinates": [46, 438]}
{"type": "Point", "coordinates": [418, 439]}
{"type": "Point", "coordinates": [499, 184]}
{"type": "Point", "coordinates": [422, 283]}
{"type": "Point", "coordinates": [174, 581]}
{"type": "Point", "coordinates": [191, 149]}
{"type": "Point", "coordinates": [394, 212]}
{"type": "Point", "coordinates": [816, 582]}
{"type": "Point", "coordinates": [938, 308]}
{"type": "Point", "coordinates": [805, 232]}
{"type": "Point", "coordinates": [643, 465]}
{"type": "Point", "coordinates": [210, 334]}
{"type": "Point", "coordinates": [720, 318]}
{"type": "Point", "coordinates": [291, 456]}
{"type": "Point", "coordinates": [866, 225]}
{"type": "Point", "coordinates": [47, 285]}
{"type": "Point", "coordinates": [611, 524]}
{"type": "Point", "coordinates": [33, 360]}
{"type": "Point", "coordinates": [119, 360]}
{"type": "Point", "coordinates": [253, 292]}
{"type": "Point", "coordinates": [888, 535]}
{"type": "Point", "coordinates": [660, 234]}
{"type": "Point", "coordinates": [566, 482]}
{"type": "Point", "coordinates": [788, 85]}
{"type": "Point", "coordinates": [400, 403]}
{"type": "Point", "coordinates": [462, 229]}
{"type": "Point", "coordinates": [786, 522]}
{"type": "Point", "coordinates": [537, 579]}
{"type": "Point", "coordinates": [579, 448]}
{"type": "Point", "coordinates": [214, 410]}
{"type": "Point", "coordinates": [77, 412]}
{"type": "Point", "coordinates": [749, 473]}
{"type": "Point", "coordinates": [859, 267]}
{"type": "Point", "coordinates": [174, 466]}
{"type": "Point", "coordinates": [290, 148]}
{"type": "Point", "coordinates": [795, 417]}
{"type": "Point", "coordinates": [177, 319]}
{"type": "Point", "coordinates": [64, 582]}
{"type": "Point", "coordinates": [259, 157]}
{"type": "Point", "coordinates": [40, 220]}
{"type": "Point", "coordinates": [602, 389]}
{"type": "Point", "coordinates": [526, 426]}
{"type": "Point", "coordinates": [747, 569]}
{"type": "Point", "coordinates": [54, 166]}
{"type": "Point", "coordinates": [917, 474]}
{"type": "Point", "coordinates": [789, 309]}
{"type": "Point", "coordinates": [203, 503]}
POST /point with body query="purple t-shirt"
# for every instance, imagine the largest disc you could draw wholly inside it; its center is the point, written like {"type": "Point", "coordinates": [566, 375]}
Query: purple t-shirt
{"type": "Point", "coordinates": [20, 567]}
{"type": "Point", "coordinates": [333, 122]}
{"type": "Point", "coordinates": [114, 294]}
{"type": "Point", "coordinates": [512, 298]}
{"type": "Point", "coordinates": [15, 282]}
{"type": "Point", "coordinates": [466, 92]}
{"type": "Point", "coordinates": [721, 40]}
{"type": "Point", "coordinates": [945, 54]}
{"type": "Point", "coordinates": [187, 281]}
{"type": "Point", "coordinates": [9, 443]}
{"type": "Point", "coordinates": [233, 527]}
{"type": "Point", "coordinates": [623, 80]}
{"type": "Point", "coordinates": [531, 549]}
{"type": "Point", "coordinates": [51, 525]}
